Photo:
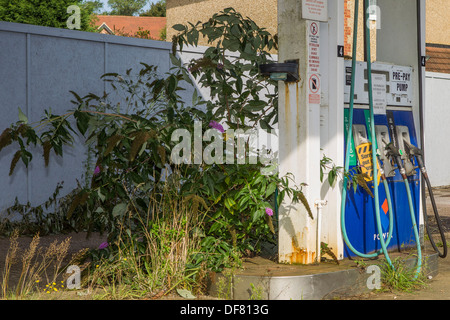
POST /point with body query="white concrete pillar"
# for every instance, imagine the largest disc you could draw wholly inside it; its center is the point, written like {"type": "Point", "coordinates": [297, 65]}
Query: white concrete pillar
{"type": "Point", "coordinates": [310, 127]}
{"type": "Point", "coordinates": [332, 122]}
{"type": "Point", "coordinates": [299, 139]}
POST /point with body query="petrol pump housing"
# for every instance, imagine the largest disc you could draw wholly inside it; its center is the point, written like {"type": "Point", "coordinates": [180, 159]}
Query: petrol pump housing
{"type": "Point", "coordinates": [312, 124]}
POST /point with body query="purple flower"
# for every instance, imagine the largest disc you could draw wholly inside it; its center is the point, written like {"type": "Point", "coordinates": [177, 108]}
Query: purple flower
{"type": "Point", "coordinates": [269, 212]}
{"type": "Point", "coordinates": [216, 125]}
{"type": "Point", "coordinates": [103, 245]}
{"type": "Point", "coordinates": [96, 170]}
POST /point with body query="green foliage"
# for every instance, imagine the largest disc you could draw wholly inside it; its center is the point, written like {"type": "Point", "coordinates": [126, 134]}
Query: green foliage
{"type": "Point", "coordinates": [235, 82]}
{"type": "Point", "coordinates": [93, 6]}
{"type": "Point", "coordinates": [162, 254]}
{"type": "Point", "coordinates": [354, 176]}
{"type": "Point", "coordinates": [131, 143]}
{"type": "Point", "coordinates": [401, 276]}
{"type": "Point", "coordinates": [157, 9]}
{"type": "Point", "coordinates": [48, 218]}
{"type": "Point", "coordinates": [49, 13]}
{"type": "Point", "coordinates": [126, 7]}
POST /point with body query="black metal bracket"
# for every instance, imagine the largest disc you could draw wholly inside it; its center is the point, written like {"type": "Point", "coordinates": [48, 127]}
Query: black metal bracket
{"type": "Point", "coordinates": [286, 71]}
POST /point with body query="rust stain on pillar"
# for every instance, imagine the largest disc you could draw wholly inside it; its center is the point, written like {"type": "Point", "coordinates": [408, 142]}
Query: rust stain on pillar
{"type": "Point", "coordinates": [299, 255]}
{"type": "Point", "coordinates": [298, 112]}
{"type": "Point", "coordinates": [287, 104]}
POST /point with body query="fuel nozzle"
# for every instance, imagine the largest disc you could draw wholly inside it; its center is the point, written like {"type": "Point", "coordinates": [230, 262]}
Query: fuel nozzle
{"type": "Point", "coordinates": [381, 169]}
{"type": "Point", "coordinates": [413, 151]}
{"type": "Point", "coordinates": [396, 154]}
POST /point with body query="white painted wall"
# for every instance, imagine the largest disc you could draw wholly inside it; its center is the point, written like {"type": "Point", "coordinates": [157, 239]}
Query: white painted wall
{"type": "Point", "coordinates": [437, 127]}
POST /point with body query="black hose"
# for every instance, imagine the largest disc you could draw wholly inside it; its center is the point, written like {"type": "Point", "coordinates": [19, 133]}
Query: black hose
{"type": "Point", "coordinates": [438, 220]}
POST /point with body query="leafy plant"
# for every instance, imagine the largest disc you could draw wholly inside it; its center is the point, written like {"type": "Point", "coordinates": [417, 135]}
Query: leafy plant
{"type": "Point", "coordinates": [129, 134]}
{"type": "Point", "coordinates": [240, 95]}
{"type": "Point", "coordinates": [400, 277]}
{"type": "Point", "coordinates": [354, 175]}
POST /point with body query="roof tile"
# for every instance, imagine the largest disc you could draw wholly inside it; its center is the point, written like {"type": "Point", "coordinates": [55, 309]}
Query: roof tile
{"type": "Point", "coordinates": [129, 25]}
{"type": "Point", "coordinates": [439, 59]}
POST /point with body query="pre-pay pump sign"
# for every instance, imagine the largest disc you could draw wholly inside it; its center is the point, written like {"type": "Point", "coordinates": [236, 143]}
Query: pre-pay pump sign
{"type": "Point", "coordinates": [401, 81]}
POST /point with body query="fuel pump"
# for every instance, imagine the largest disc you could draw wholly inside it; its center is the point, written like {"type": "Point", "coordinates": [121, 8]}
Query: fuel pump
{"type": "Point", "coordinates": [363, 224]}
{"type": "Point", "coordinates": [374, 158]}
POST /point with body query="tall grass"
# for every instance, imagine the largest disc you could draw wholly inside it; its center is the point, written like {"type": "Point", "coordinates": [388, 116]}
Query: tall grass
{"type": "Point", "coordinates": [402, 277]}
{"type": "Point", "coordinates": [163, 254]}
{"type": "Point", "coordinates": [38, 265]}
{"type": "Point", "coordinates": [160, 253]}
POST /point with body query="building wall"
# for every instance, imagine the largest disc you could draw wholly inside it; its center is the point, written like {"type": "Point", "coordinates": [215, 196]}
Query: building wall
{"type": "Point", "coordinates": [349, 12]}
{"type": "Point", "coordinates": [263, 12]}
{"type": "Point", "coordinates": [437, 22]}
{"type": "Point", "coordinates": [437, 130]}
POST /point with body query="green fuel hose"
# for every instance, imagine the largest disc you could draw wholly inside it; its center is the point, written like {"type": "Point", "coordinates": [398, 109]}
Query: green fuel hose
{"type": "Point", "coordinates": [372, 128]}
{"type": "Point", "coordinates": [374, 156]}
{"type": "Point", "coordinates": [416, 233]}
{"type": "Point", "coordinates": [394, 152]}
{"type": "Point", "coordinates": [374, 162]}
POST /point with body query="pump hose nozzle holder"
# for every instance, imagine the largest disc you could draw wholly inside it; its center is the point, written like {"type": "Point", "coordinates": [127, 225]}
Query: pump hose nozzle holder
{"type": "Point", "coordinates": [394, 153]}
{"type": "Point", "coordinates": [412, 151]}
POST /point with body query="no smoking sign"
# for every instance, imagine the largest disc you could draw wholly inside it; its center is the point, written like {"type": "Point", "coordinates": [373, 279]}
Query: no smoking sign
{"type": "Point", "coordinates": [314, 83]}
{"type": "Point", "coordinates": [314, 88]}
{"type": "Point", "coordinates": [314, 28]}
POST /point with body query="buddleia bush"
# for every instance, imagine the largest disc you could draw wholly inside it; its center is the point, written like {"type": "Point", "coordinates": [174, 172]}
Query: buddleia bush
{"type": "Point", "coordinates": [131, 142]}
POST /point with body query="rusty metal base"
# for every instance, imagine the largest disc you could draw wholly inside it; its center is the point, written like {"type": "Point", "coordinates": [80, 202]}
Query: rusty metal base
{"type": "Point", "coordinates": [264, 279]}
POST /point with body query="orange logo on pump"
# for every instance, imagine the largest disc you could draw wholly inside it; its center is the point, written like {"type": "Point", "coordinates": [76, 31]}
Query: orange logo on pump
{"type": "Point", "coordinates": [364, 152]}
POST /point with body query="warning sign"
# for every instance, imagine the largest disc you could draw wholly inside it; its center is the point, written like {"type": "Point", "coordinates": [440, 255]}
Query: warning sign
{"type": "Point", "coordinates": [315, 10]}
{"type": "Point", "coordinates": [364, 152]}
{"type": "Point", "coordinates": [313, 71]}
{"type": "Point", "coordinates": [314, 28]}
{"type": "Point", "coordinates": [314, 87]}
{"type": "Point", "coordinates": [379, 93]}
{"type": "Point", "coordinates": [314, 83]}
{"type": "Point", "coordinates": [313, 47]}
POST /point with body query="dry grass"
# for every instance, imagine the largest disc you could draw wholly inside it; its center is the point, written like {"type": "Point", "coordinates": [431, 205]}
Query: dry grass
{"type": "Point", "coordinates": [163, 254]}
{"type": "Point", "coordinates": [39, 265]}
